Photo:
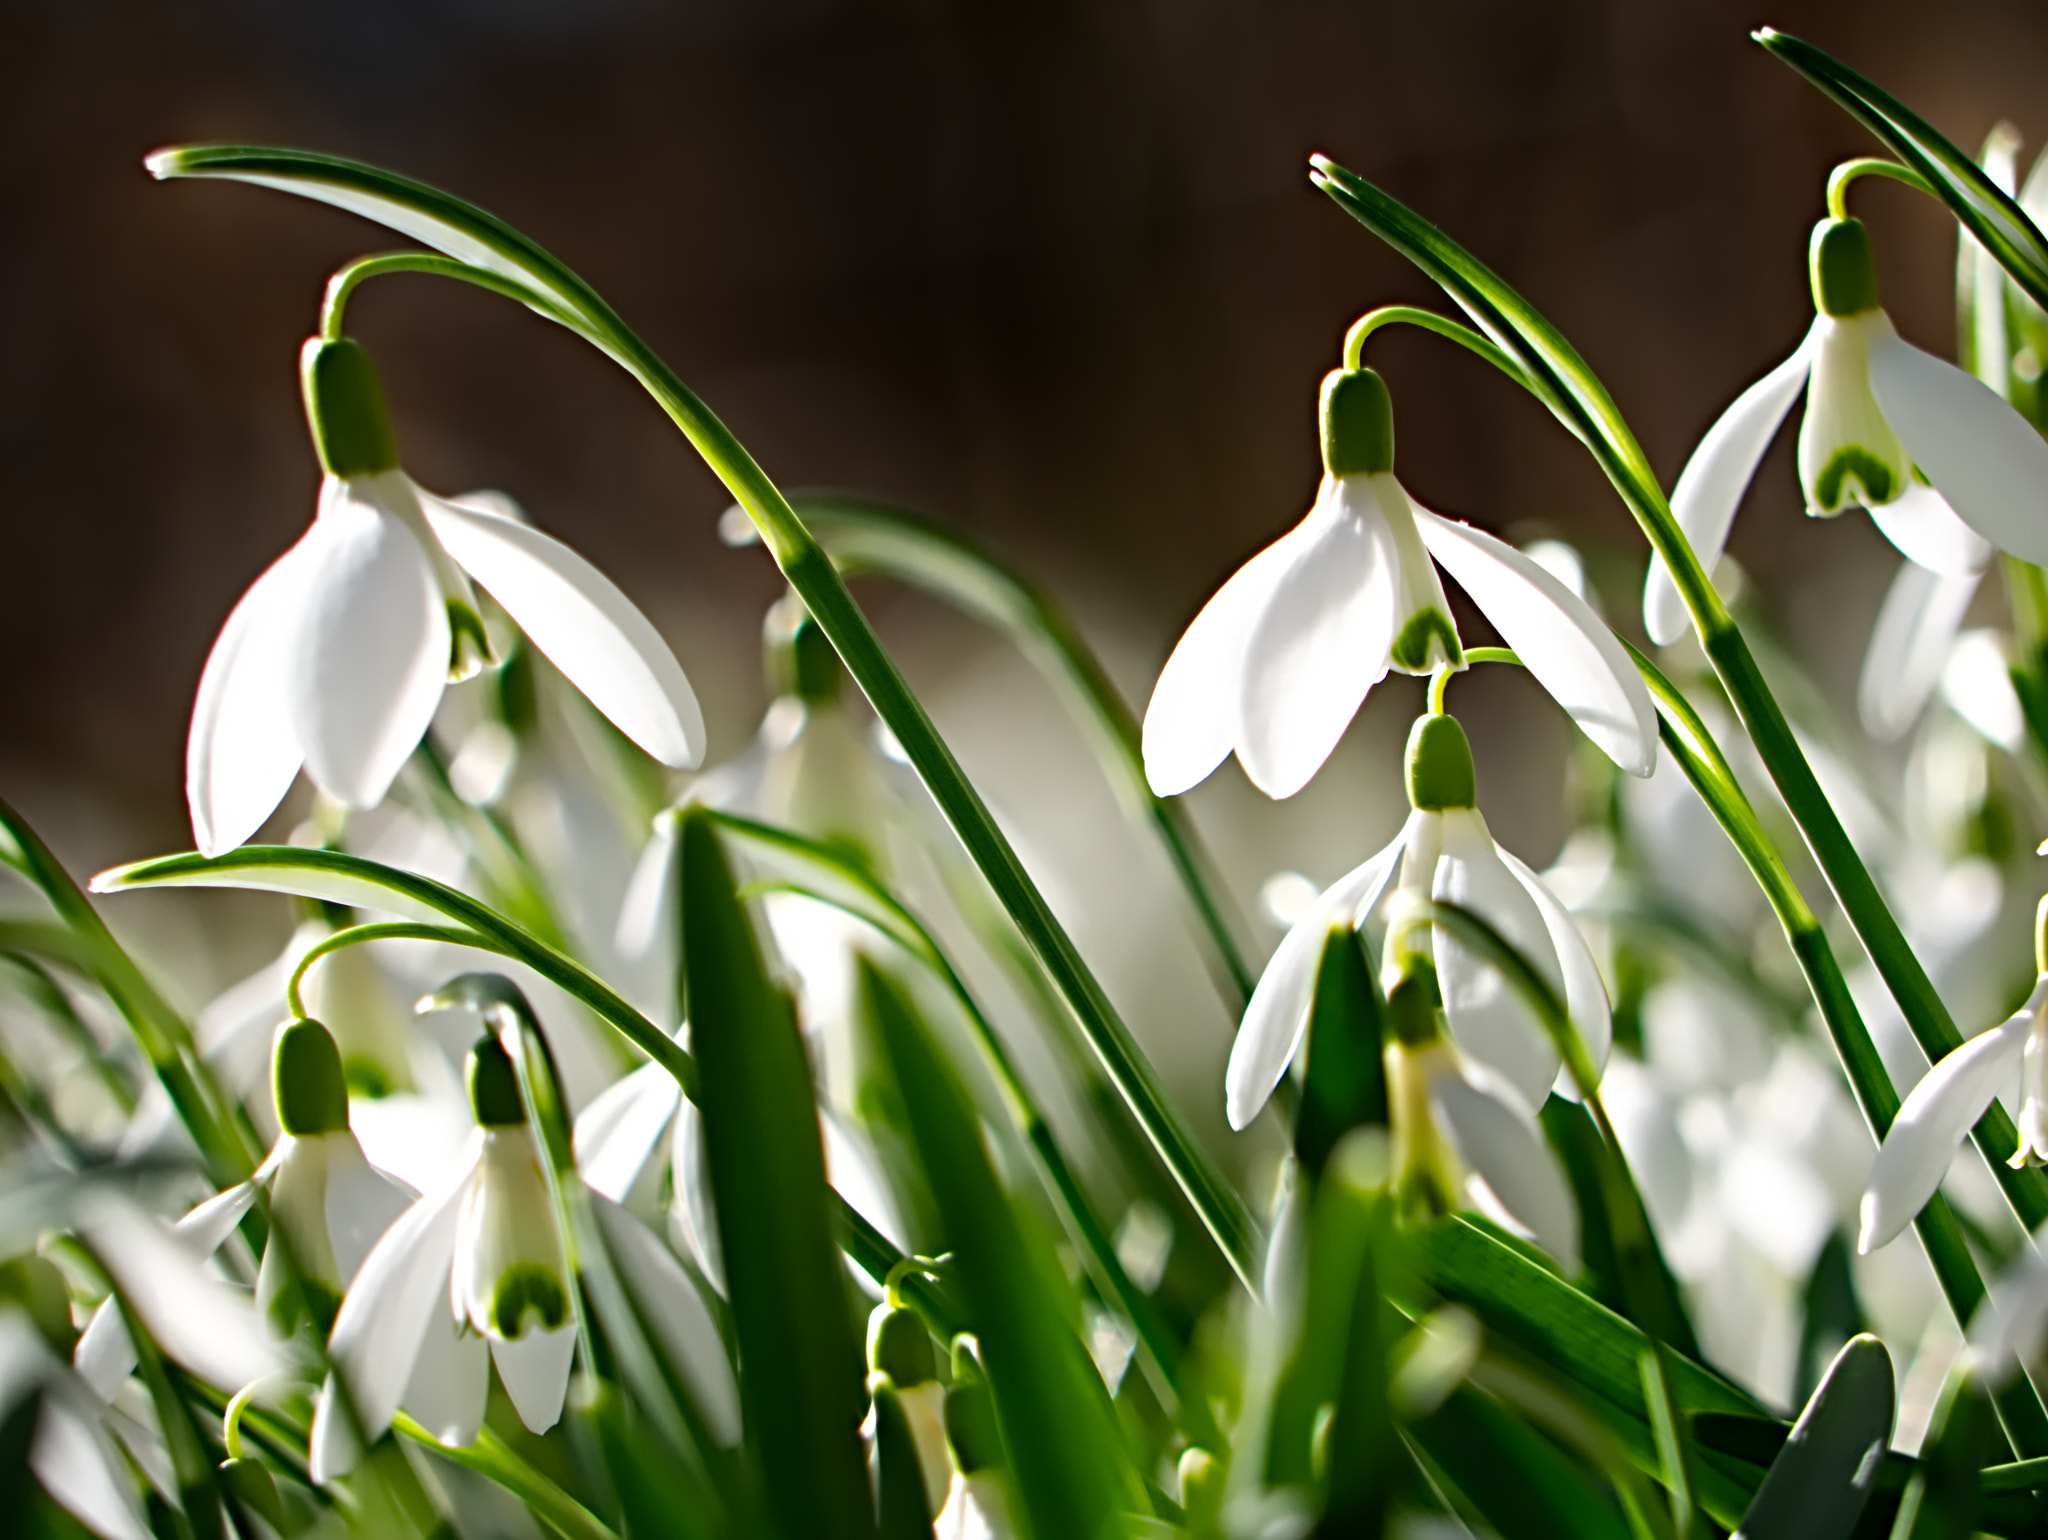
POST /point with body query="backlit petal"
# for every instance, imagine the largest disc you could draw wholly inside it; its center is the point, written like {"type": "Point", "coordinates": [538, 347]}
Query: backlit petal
{"type": "Point", "coordinates": [617, 1133]}
{"type": "Point", "coordinates": [450, 1383]}
{"type": "Point", "coordinates": [535, 1372]}
{"type": "Point", "coordinates": [1497, 1138]}
{"type": "Point", "coordinates": [1710, 487]}
{"type": "Point", "coordinates": [1909, 646]}
{"type": "Point", "coordinates": [1571, 651]}
{"type": "Point", "coordinates": [1320, 643]}
{"type": "Point", "coordinates": [1920, 523]}
{"type": "Point", "coordinates": [1988, 461]}
{"type": "Point", "coordinates": [242, 752]}
{"type": "Point", "coordinates": [671, 1305]}
{"type": "Point", "coordinates": [577, 616]}
{"type": "Point", "coordinates": [1585, 994]}
{"type": "Point", "coordinates": [362, 1203]}
{"type": "Point", "coordinates": [372, 651]}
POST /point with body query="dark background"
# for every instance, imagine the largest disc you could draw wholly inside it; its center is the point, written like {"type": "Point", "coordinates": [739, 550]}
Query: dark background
{"type": "Point", "coordinates": [1052, 272]}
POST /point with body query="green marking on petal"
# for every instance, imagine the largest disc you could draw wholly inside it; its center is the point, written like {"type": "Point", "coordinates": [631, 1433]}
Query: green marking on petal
{"type": "Point", "coordinates": [527, 1288]}
{"type": "Point", "coordinates": [1413, 1004]}
{"type": "Point", "coordinates": [469, 645]}
{"type": "Point", "coordinates": [366, 1077]}
{"type": "Point", "coordinates": [1428, 642]}
{"type": "Point", "coordinates": [1852, 476]}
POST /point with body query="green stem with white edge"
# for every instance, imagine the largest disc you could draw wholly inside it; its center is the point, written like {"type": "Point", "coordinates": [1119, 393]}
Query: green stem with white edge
{"type": "Point", "coordinates": [868, 537]}
{"type": "Point", "coordinates": [1560, 379]}
{"type": "Point", "coordinates": [432, 216]}
{"type": "Point", "coordinates": [1429, 321]}
{"type": "Point", "coordinates": [342, 286]}
{"type": "Point", "coordinates": [1868, 165]}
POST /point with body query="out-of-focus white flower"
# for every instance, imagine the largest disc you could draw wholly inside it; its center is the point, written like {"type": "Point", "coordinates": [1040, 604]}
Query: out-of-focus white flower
{"type": "Point", "coordinates": [1879, 412]}
{"type": "Point", "coordinates": [1445, 851]}
{"type": "Point", "coordinates": [1282, 656]}
{"type": "Point", "coordinates": [336, 657]}
{"type": "Point", "coordinates": [69, 1452]}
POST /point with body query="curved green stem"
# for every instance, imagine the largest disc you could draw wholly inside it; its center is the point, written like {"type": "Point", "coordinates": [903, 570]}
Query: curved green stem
{"type": "Point", "coordinates": [357, 935]}
{"type": "Point", "coordinates": [1410, 315]}
{"type": "Point", "coordinates": [495, 1460]}
{"type": "Point", "coordinates": [1869, 165]}
{"type": "Point", "coordinates": [342, 286]}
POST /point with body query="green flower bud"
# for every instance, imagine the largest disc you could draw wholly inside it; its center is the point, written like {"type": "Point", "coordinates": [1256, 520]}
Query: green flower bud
{"type": "Point", "coordinates": [345, 408]}
{"type": "Point", "coordinates": [1844, 272]}
{"type": "Point", "coordinates": [1439, 765]}
{"type": "Point", "coordinates": [1358, 423]}
{"type": "Point", "coordinates": [972, 1432]}
{"type": "Point", "coordinates": [1201, 1489]}
{"type": "Point", "coordinates": [900, 1347]}
{"type": "Point", "coordinates": [800, 660]}
{"type": "Point", "coordinates": [251, 1485]}
{"type": "Point", "coordinates": [307, 1080]}
{"type": "Point", "coordinates": [494, 1085]}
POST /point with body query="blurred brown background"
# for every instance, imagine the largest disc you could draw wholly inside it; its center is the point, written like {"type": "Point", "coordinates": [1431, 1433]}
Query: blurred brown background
{"type": "Point", "coordinates": [1051, 271]}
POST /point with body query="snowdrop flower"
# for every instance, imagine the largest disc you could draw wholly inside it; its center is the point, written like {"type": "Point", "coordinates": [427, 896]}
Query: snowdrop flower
{"type": "Point", "coordinates": [1444, 850]}
{"type": "Point", "coordinates": [1879, 413]}
{"type": "Point", "coordinates": [900, 1352]}
{"type": "Point", "coordinates": [336, 657]}
{"type": "Point", "coordinates": [328, 1204]}
{"type": "Point", "coordinates": [1280, 659]}
{"type": "Point", "coordinates": [1949, 1100]}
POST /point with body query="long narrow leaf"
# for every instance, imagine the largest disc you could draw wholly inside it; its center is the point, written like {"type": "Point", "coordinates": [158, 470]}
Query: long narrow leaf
{"type": "Point", "coordinates": [1818, 1486]}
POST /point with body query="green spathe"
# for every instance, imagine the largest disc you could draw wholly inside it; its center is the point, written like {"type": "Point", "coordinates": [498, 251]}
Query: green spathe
{"type": "Point", "coordinates": [1844, 272]}
{"type": "Point", "coordinates": [1439, 766]}
{"type": "Point", "coordinates": [345, 408]}
{"type": "Point", "coordinates": [494, 1086]}
{"type": "Point", "coordinates": [307, 1080]}
{"type": "Point", "coordinates": [1358, 423]}
{"type": "Point", "coordinates": [900, 1347]}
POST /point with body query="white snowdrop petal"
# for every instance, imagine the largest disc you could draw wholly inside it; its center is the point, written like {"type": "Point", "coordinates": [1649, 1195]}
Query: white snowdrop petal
{"type": "Point", "coordinates": [1191, 722]}
{"type": "Point", "coordinates": [535, 1372]}
{"type": "Point", "coordinates": [242, 751]}
{"type": "Point", "coordinates": [1496, 1136]}
{"type": "Point", "coordinates": [1710, 487]}
{"type": "Point", "coordinates": [372, 650]}
{"type": "Point", "coordinates": [1585, 993]}
{"type": "Point", "coordinates": [1570, 650]}
{"type": "Point", "coordinates": [77, 1466]}
{"type": "Point", "coordinates": [577, 616]}
{"type": "Point", "coordinates": [1486, 1014]}
{"type": "Point", "coordinates": [617, 1133]}
{"type": "Point", "coordinates": [647, 914]}
{"type": "Point", "coordinates": [1316, 648]}
{"type": "Point", "coordinates": [1931, 1123]}
{"type": "Point", "coordinates": [1924, 529]}
{"type": "Point", "coordinates": [362, 1203]}
{"type": "Point", "coordinates": [677, 1313]}
{"type": "Point", "coordinates": [1277, 1014]}
{"type": "Point", "coordinates": [695, 1207]}
{"type": "Point", "coordinates": [2008, 1328]}
{"type": "Point", "coordinates": [1976, 681]}
{"type": "Point", "coordinates": [1985, 459]}
{"type": "Point", "coordinates": [1909, 646]}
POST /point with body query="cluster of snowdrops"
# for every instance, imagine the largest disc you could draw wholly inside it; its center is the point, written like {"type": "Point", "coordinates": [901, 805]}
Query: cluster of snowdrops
{"type": "Point", "coordinates": [612, 1151]}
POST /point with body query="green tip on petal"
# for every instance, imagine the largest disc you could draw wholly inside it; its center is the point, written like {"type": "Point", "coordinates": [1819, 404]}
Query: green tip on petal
{"type": "Point", "coordinates": [528, 1289]}
{"type": "Point", "coordinates": [1428, 641]}
{"type": "Point", "coordinates": [307, 1079]}
{"type": "Point", "coordinates": [800, 660]}
{"type": "Point", "coordinates": [1358, 423]}
{"type": "Point", "coordinates": [1413, 1001]}
{"type": "Point", "coordinates": [1439, 766]}
{"type": "Point", "coordinates": [345, 408]}
{"type": "Point", "coordinates": [900, 1347]}
{"type": "Point", "coordinates": [494, 1085]}
{"type": "Point", "coordinates": [1844, 271]}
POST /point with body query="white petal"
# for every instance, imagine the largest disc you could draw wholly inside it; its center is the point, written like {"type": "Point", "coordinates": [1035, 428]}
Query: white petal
{"type": "Point", "coordinates": [671, 1305]}
{"type": "Point", "coordinates": [1585, 993]}
{"type": "Point", "coordinates": [1931, 1123]}
{"type": "Point", "coordinates": [1985, 458]}
{"type": "Point", "coordinates": [1191, 722]}
{"type": "Point", "coordinates": [372, 652]}
{"type": "Point", "coordinates": [1711, 485]}
{"type": "Point", "coordinates": [387, 1310]}
{"type": "Point", "coordinates": [647, 915]}
{"type": "Point", "coordinates": [535, 1373]}
{"type": "Point", "coordinates": [1909, 645]}
{"type": "Point", "coordinates": [695, 1205]}
{"type": "Point", "coordinates": [207, 1227]}
{"type": "Point", "coordinates": [1320, 643]}
{"type": "Point", "coordinates": [617, 1132]}
{"type": "Point", "coordinates": [362, 1203]}
{"type": "Point", "coordinates": [1496, 1136]}
{"type": "Point", "coordinates": [1571, 651]}
{"type": "Point", "coordinates": [1485, 1013]}
{"type": "Point", "coordinates": [1277, 1015]}
{"type": "Point", "coordinates": [2008, 1328]}
{"type": "Point", "coordinates": [1976, 681]}
{"type": "Point", "coordinates": [450, 1382]}
{"type": "Point", "coordinates": [242, 753]}
{"type": "Point", "coordinates": [1924, 529]}
{"type": "Point", "coordinates": [79, 1469]}
{"type": "Point", "coordinates": [105, 1354]}
{"type": "Point", "coordinates": [588, 629]}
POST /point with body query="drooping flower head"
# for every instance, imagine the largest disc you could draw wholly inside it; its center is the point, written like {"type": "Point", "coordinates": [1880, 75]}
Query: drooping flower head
{"type": "Point", "coordinates": [1280, 659]}
{"type": "Point", "coordinates": [336, 657]}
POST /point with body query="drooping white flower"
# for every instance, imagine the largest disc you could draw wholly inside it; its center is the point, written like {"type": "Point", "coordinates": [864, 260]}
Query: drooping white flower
{"type": "Point", "coordinates": [1880, 414]}
{"type": "Point", "coordinates": [1939, 1111]}
{"type": "Point", "coordinates": [474, 1274]}
{"type": "Point", "coordinates": [1445, 851]}
{"type": "Point", "coordinates": [1282, 656]}
{"type": "Point", "coordinates": [336, 657]}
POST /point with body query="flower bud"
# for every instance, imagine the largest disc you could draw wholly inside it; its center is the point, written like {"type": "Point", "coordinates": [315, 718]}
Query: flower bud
{"type": "Point", "coordinates": [971, 1429]}
{"type": "Point", "coordinates": [1439, 765]}
{"type": "Point", "coordinates": [307, 1080]}
{"type": "Point", "coordinates": [345, 408]}
{"type": "Point", "coordinates": [1358, 423]}
{"type": "Point", "coordinates": [1844, 272]}
{"type": "Point", "coordinates": [900, 1347]}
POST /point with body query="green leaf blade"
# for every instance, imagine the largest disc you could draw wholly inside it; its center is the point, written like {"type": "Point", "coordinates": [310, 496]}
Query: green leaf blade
{"type": "Point", "coordinates": [1820, 1483]}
